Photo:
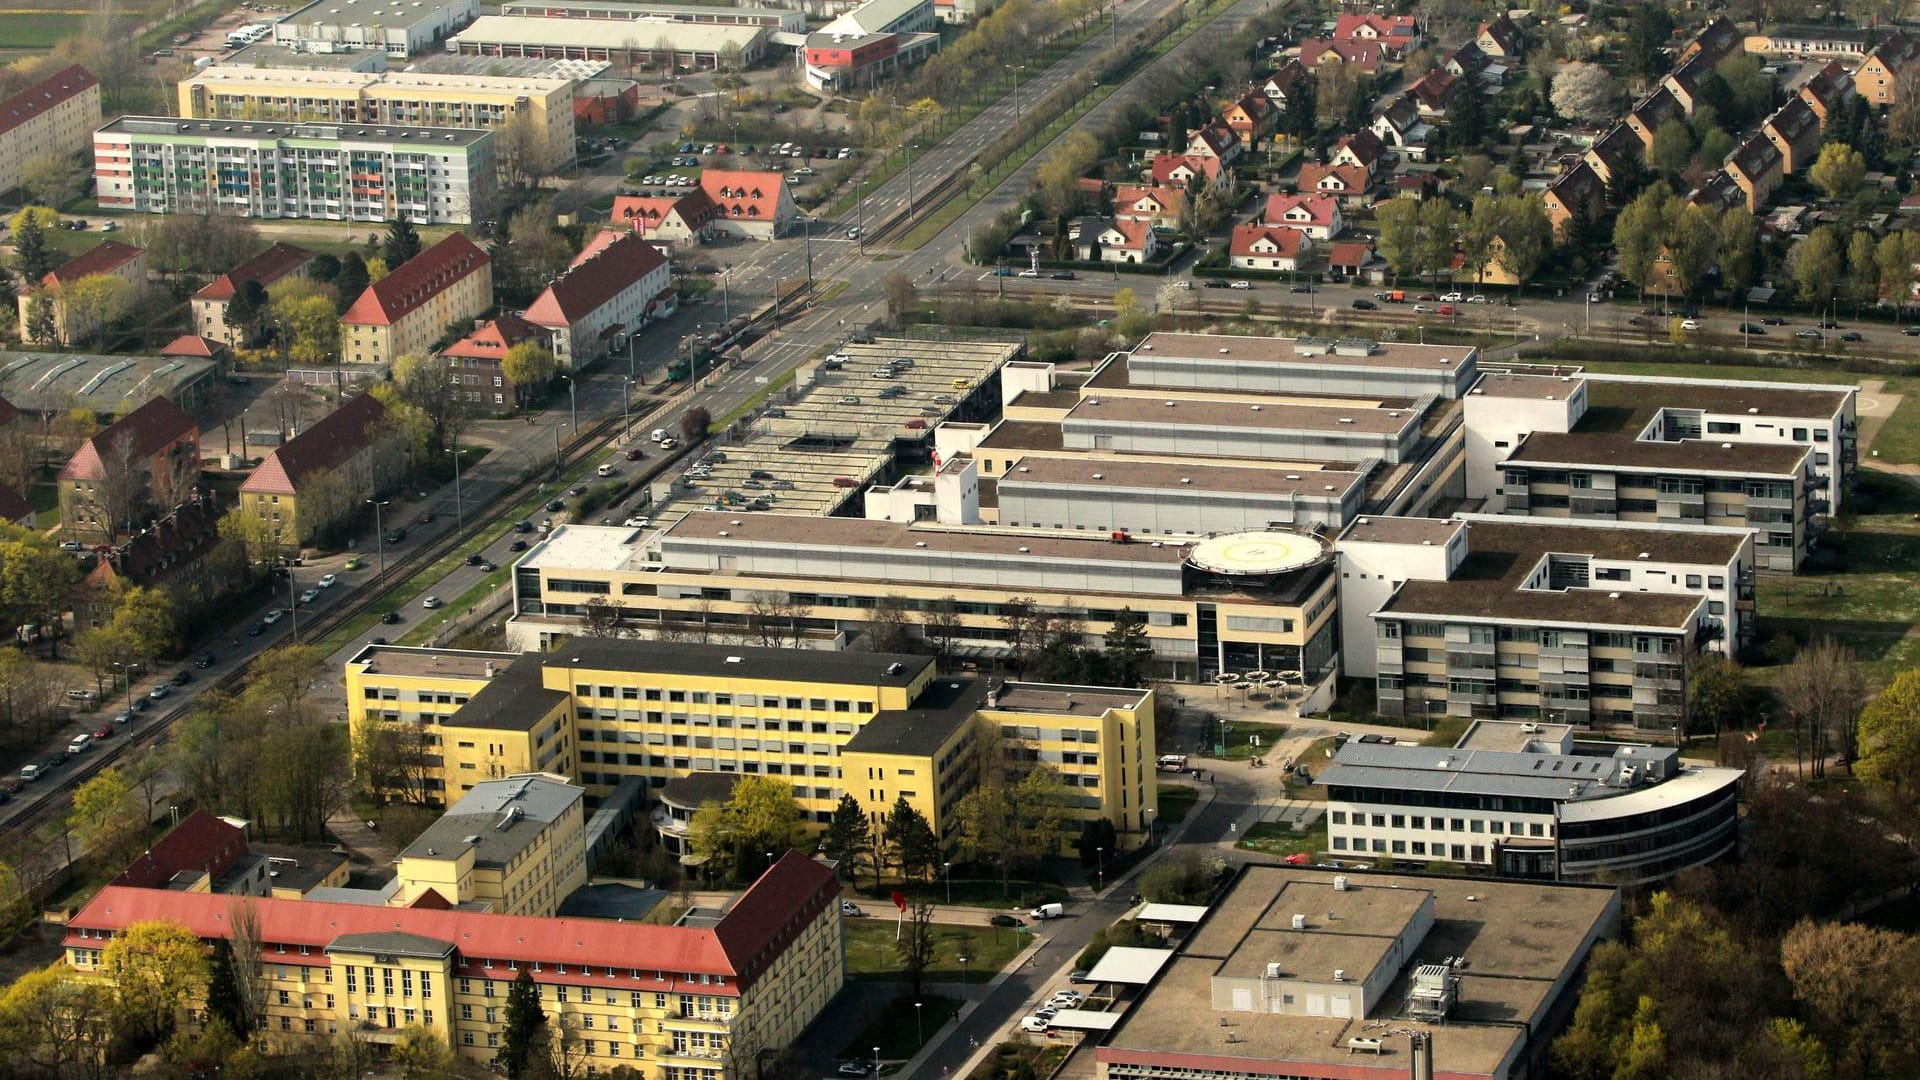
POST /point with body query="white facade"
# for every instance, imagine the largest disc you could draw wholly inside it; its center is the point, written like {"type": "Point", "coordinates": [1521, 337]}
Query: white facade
{"type": "Point", "coordinates": [398, 27]}
{"type": "Point", "coordinates": [951, 497]}
{"type": "Point", "coordinates": [1496, 422]}
{"type": "Point", "coordinates": [1371, 570]}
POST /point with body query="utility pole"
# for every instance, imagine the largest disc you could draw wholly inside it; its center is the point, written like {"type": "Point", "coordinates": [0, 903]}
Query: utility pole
{"type": "Point", "coordinates": [459, 504]}
{"type": "Point", "coordinates": [809, 245]}
{"type": "Point", "coordinates": [379, 536]}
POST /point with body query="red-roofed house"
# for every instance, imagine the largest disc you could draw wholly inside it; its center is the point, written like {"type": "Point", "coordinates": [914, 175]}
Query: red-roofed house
{"type": "Point", "coordinates": [1252, 118]}
{"type": "Point", "coordinates": [1128, 242]}
{"type": "Point", "coordinates": [1316, 215]}
{"type": "Point", "coordinates": [1352, 259]}
{"type": "Point", "coordinates": [479, 358]}
{"type": "Point", "coordinates": [1186, 172]}
{"type": "Point", "coordinates": [210, 303]}
{"type": "Point", "coordinates": [140, 467]}
{"type": "Point", "coordinates": [1397, 33]}
{"type": "Point", "coordinates": [619, 284]}
{"type": "Point", "coordinates": [110, 258]}
{"type": "Point", "coordinates": [405, 312]}
{"type": "Point", "coordinates": [1260, 247]}
{"type": "Point", "coordinates": [757, 976]}
{"type": "Point", "coordinates": [753, 205]}
{"type": "Point", "coordinates": [1348, 183]}
{"type": "Point", "coordinates": [1363, 149]}
{"type": "Point", "coordinates": [1365, 57]}
{"type": "Point", "coordinates": [195, 346]}
{"type": "Point", "coordinates": [1160, 207]}
{"type": "Point", "coordinates": [56, 115]}
{"type": "Point", "coordinates": [287, 491]}
{"type": "Point", "coordinates": [673, 218]}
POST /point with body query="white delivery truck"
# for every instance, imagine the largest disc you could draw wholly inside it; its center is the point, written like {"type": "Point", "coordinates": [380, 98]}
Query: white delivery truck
{"type": "Point", "coordinates": [1047, 911]}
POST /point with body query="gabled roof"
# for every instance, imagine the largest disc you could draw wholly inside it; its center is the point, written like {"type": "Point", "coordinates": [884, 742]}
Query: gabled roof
{"type": "Point", "coordinates": [201, 843]}
{"type": "Point", "coordinates": [1283, 80]}
{"type": "Point", "coordinates": [1214, 138]}
{"type": "Point", "coordinates": [1469, 59]}
{"type": "Point", "coordinates": [1719, 192]}
{"type": "Point", "coordinates": [1754, 157]}
{"type": "Point", "coordinates": [1829, 86]}
{"type": "Point", "coordinates": [1503, 32]}
{"type": "Point", "coordinates": [416, 281]}
{"type": "Point", "coordinates": [151, 427]}
{"type": "Point", "coordinates": [338, 436]}
{"type": "Point", "coordinates": [1347, 179]}
{"type": "Point", "coordinates": [1578, 186]}
{"type": "Point", "coordinates": [1365, 55]}
{"type": "Point", "coordinates": [749, 196]}
{"type": "Point", "coordinates": [1688, 74]}
{"type": "Point", "coordinates": [1656, 108]}
{"type": "Point", "coordinates": [1286, 242]}
{"type": "Point", "coordinates": [1350, 253]}
{"type": "Point", "coordinates": [1435, 89]}
{"type": "Point", "coordinates": [1897, 51]}
{"type": "Point", "coordinates": [1166, 165]}
{"type": "Point", "coordinates": [1319, 210]}
{"type": "Point", "coordinates": [1397, 29]}
{"type": "Point", "coordinates": [104, 258]}
{"type": "Point", "coordinates": [1255, 104]}
{"type": "Point", "coordinates": [193, 345]}
{"type": "Point", "coordinates": [1366, 146]}
{"type": "Point", "coordinates": [1617, 145]}
{"type": "Point", "coordinates": [42, 97]}
{"type": "Point", "coordinates": [1135, 235]}
{"type": "Point", "coordinates": [646, 213]}
{"type": "Point", "coordinates": [492, 340]}
{"type": "Point", "coordinates": [1402, 115]}
{"type": "Point", "coordinates": [612, 263]}
{"type": "Point", "coordinates": [266, 268]}
{"type": "Point", "coordinates": [1716, 41]}
{"type": "Point", "coordinates": [1170, 199]}
{"type": "Point", "coordinates": [1793, 121]}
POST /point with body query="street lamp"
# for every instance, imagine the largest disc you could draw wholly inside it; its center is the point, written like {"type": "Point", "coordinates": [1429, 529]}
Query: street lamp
{"type": "Point", "coordinates": [293, 606]}
{"type": "Point", "coordinates": [379, 535]}
{"type": "Point", "coordinates": [1150, 813]}
{"type": "Point", "coordinates": [947, 870]}
{"type": "Point", "coordinates": [1100, 863]}
{"type": "Point", "coordinates": [626, 398]}
{"type": "Point", "coordinates": [911, 147]}
{"type": "Point", "coordinates": [876, 1061]}
{"type": "Point", "coordinates": [126, 681]}
{"type": "Point", "coordinates": [919, 1029]}
{"type": "Point", "coordinates": [1015, 68]}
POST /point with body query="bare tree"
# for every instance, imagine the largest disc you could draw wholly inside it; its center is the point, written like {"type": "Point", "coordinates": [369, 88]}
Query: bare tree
{"type": "Point", "coordinates": [887, 626]}
{"type": "Point", "coordinates": [942, 629]}
{"type": "Point", "coordinates": [120, 488]}
{"type": "Point", "coordinates": [602, 619]}
{"type": "Point", "coordinates": [775, 619]}
{"type": "Point", "coordinates": [243, 940]}
{"type": "Point", "coordinates": [1823, 693]}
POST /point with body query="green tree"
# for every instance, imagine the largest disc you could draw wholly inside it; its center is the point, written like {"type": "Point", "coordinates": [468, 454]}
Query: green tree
{"type": "Point", "coordinates": [1739, 250]}
{"type": "Point", "coordinates": [1098, 840]}
{"type": "Point", "coordinates": [52, 1018]}
{"type": "Point", "coordinates": [94, 305]}
{"type": "Point", "coordinates": [1527, 235]}
{"type": "Point", "coordinates": [1839, 170]}
{"type": "Point", "coordinates": [309, 327]}
{"type": "Point", "coordinates": [1890, 735]}
{"type": "Point", "coordinates": [1648, 26]}
{"type": "Point", "coordinates": [1672, 150]}
{"type": "Point", "coordinates": [43, 324]}
{"type": "Point", "coordinates": [53, 179]}
{"type": "Point", "coordinates": [1437, 225]}
{"type": "Point", "coordinates": [1478, 231]}
{"type": "Point", "coordinates": [1399, 243]}
{"type": "Point", "coordinates": [105, 818]}
{"type": "Point", "coordinates": [1863, 270]}
{"type": "Point", "coordinates": [402, 241]}
{"type": "Point", "coordinates": [1128, 650]}
{"type": "Point", "coordinates": [353, 280]}
{"type": "Point", "coordinates": [223, 989]}
{"type": "Point", "coordinates": [528, 366]}
{"type": "Point", "coordinates": [906, 832]}
{"type": "Point", "coordinates": [1692, 242]}
{"type": "Point", "coordinates": [156, 969]}
{"type": "Point", "coordinates": [520, 1042]}
{"type": "Point", "coordinates": [760, 818]}
{"type": "Point", "coordinates": [1721, 693]}
{"type": "Point", "coordinates": [849, 836]}
{"type": "Point", "coordinates": [144, 618]}
{"type": "Point", "coordinates": [1896, 255]}
{"type": "Point", "coordinates": [32, 258]}
{"type": "Point", "coordinates": [246, 309]}
{"type": "Point", "coordinates": [1815, 262]}
{"type": "Point", "coordinates": [1855, 986]}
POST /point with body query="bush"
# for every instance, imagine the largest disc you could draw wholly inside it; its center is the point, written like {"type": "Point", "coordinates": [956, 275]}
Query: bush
{"type": "Point", "coordinates": [1125, 934]}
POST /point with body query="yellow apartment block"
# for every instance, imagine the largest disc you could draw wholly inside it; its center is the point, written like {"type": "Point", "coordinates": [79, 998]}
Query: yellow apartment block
{"type": "Point", "coordinates": [516, 846]}
{"type": "Point", "coordinates": [691, 1001]}
{"type": "Point", "coordinates": [873, 725]}
{"type": "Point", "coordinates": [398, 98]}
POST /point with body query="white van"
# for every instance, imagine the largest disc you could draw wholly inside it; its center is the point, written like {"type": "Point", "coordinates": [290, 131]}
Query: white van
{"type": "Point", "coordinates": [30, 773]}
{"type": "Point", "coordinates": [604, 470]}
{"type": "Point", "coordinates": [657, 434]}
{"type": "Point", "coordinates": [80, 743]}
{"type": "Point", "coordinates": [1047, 911]}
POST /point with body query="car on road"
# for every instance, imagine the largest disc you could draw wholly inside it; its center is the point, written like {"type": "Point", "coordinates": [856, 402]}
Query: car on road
{"type": "Point", "coordinates": [854, 231]}
{"type": "Point", "coordinates": [1911, 331]}
{"type": "Point", "coordinates": [430, 603]}
{"type": "Point", "coordinates": [396, 536]}
{"type": "Point", "coordinates": [1240, 285]}
{"type": "Point", "coordinates": [1751, 328]}
{"type": "Point", "coordinates": [517, 546]}
{"type": "Point", "coordinates": [1365, 305]}
{"type": "Point", "coordinates": [159, 692]}
{"type": "Point", "coordinates": [390, 618]}
{"type": "Point", "coordinates": [1635, 320]}
{"type": "Point", "coordinates": [1689, 324]}
{"type": "Point", "coordinates": [104, 731]}
{"type": "Point", "coordinates": [1005, 920]}
{"type": "Point", "coordinates": [256, 629]}
{"type": "Point", "coordinates": [1852, 335]}
{"type": "Point", "coordinates": [310, 596]}
{"type": "Point", "coordinates": [851, 910]}
{"type": "Point", "coordinates": [1213, 283]}
{"type": "Point", "coordinates": [556, 505]}
{"type": "Point", "coordinates": [328, 581]}
{"type": "Point", "coordinates": [123, 717]}
{"type": "Point", "coordinates": [488, 567]}
{"type": "Point", "coordinates": [668, 444]}
{"type": "Point", "coordinates": [475, 559]}
{"type": "Point", "coordinates": [852, 1068]}
{"type": "Point", "coordinates": [207, 661]}
{"type": "Point", "coordinates": [273, 616]}
{"type": "Point", "coordinates": [354, 562]}
{"type": "Point", "coordinates": [1301, 289]}
{"type": "Point", "coordinates": [425, 518]}
{"type": "Point", "coordinates": [1061, 275]}
{"type": "Point", "coordinates": [1427, 296]}
{"type": "Point", "coordinates": [1452, 298]}
{"type": "Point", "coordinates": [1184, 283]}
{"type": "Point", "coordinates": [1808, 333]}
{"type": "Point", "coordinates": [1774, 320]}
{"type": "Point", "coordinates": [1476, 298]}
{"type": "Point", "coordinates": [1829, 324]}
{"type": "Point", "coordinates": [1028, 272]}
{"type": "Point", "coordinates": [577, 490]}
{"type": "Point", "coordinates": [634, 453]}
{"type": "Point", "coordinates": [637, 522]}
{"type": "Point", "coordinates": [1421, 309]}
{"type": "Point", "coordinates": [181, 677]}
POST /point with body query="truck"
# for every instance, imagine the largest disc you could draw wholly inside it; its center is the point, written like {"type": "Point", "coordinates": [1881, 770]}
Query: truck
{"type": "Point", "coordinates": [1047, 911]}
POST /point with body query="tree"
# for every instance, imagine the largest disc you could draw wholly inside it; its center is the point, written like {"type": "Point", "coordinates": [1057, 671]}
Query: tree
{"type": "Point", "coordinates": [395, 759]}
{"type": "Point", "coordinates": [915, 949]}
{"type": "Point", "coordinates": [402, 242]}
{"type": "Point", "coordinates": [32, 259]}
{"type": "Point", "coordinates": [430, 386]}
{"type": "Point", "coordinates": [1672, 150]}
{"type": "Point", "coordinates": [156, 969]}
{"type": "Point", "coordinates": [1585, 92]}
{"type": "Point", "coordinates": [902, 296]}
{"type": "Point", "coordinates": [1399, 221]}
{"type": "Point", "coordinates": [915, 849]}
{"type": "Point", "coordinates": [1098, 839]}
{"type": "Point", "coordinates": [1721, 693]}
{"type": "Point", "coordinates": [525, 158]}
{"type": "Point", "coordinates": [1526, 235]}
{"type": "Point", "coordinates": [759, 818]}
{"type": "Point", "coordinates": [1863, 270]}
{"type": "Point", "coordinates": [423, 1054]}
{"type": "Point", "coordinates": [223, 989]}
{"type": "Point", "coordinates": [1839, 170]}
{"type": "Point", "coordinates": [351, 282]}
{"type": "Point", "coordinates": [1693, 241]}
{"type": "Point", "coordinates": [1856, 986]}
{"type": "Point", "coordinates": [309, 327]}
{"type": "Point", "coordinates": [849, 836]}
{"type": "Point", "coordinates": [1815, 263]}
{"type": "Point", "coordinates": [53, 1019]}
{"type": "Point", "coordinates": [53, 179]}
{"type": "Point", "coordinates": [1890, 735]}
{"type": "Point", "coordinates": [1739, 250]}
{"type": "Point", "coordinates": [775, 618]}
{"type": "Point", "coordinates": [1478, 232]}
{"type": "Point", "coordinates": [1437, 225]}
{"type": "Point", "coordinates": [521, 1038]}
{"type": "Point", "coordinates": [1128, 649]}
{"type": "Point", "coordinates": [694, 424]}
{"type": "Point", "coordinates": [1896, 255]}
{"type": "Point", "coordinates": [1057, 181]}
{"type": "Point", "coordinates": [529, 366]}
{"type": "Point", "coordinates": [43, 323]}
{"type": "Point", "coordinates": [1648, 26]}
{"type": "Point", "coordinates": [145, 621]}
{"type": "Point", "coordinates": [104, 818]}
{"type": "Point", "coordinates": [196, 243]}
{"type": "Point", "coordinates": [94, 304]}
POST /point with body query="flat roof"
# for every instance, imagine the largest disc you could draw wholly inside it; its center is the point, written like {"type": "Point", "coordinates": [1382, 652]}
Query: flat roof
{"type": "Point", "coordinates": [1280, 350]}
{"type": "Point", "coordinates": [1374, 529]}
{"type": "Point", "coordinates": [583, 547]}
{"type": "Point", "coordinates": [737, 661]}
{"type": "Point", "coordinates": [355, 11]}
{"type": "Point", "coordinates": [1062, 700]}
{"type": "Point", "coordinates": [427, 139]}
{"type": "Point", "coordinates": [419, 662]}
{"type": "Point", "coordinates": [1024, 435]}
{"type": "Point", "coordinates": [1528, 387]}
{"type": "Point", "coordinates": [923, 728]}
{"type": "Point", "coordinates": [1114, 376]}
{"type": "Point", "coordinates": [1501, 555]}
{"type": "Point", "coordinates": [1511, 735]}
{"type": "Point", "coordinates": [497, 819]}
{"type": "Point", "coordinates": [594, 33]}
{"type": "Point", "coordinates": [1165, 476]}
{"type": "Point", "coordinates": [791, 531]}
{"type": "Point", "coordinates": [1621, 403]}
{"type": "Point", "coordinates": [376, 81]}
{"type": "Point", "coordinates": [1518, 942]}
{"type": "Point", "coordinates": [512, 67]}
{"type": "Point", "coordinates": [1129, 965]}
{"type": "Point", "coordinates": [1539, 774]}
{"type": "Point", "coordinates": [1690, 456]}
{"type": "Point", "coordinates": [1171, 913]}
{"type": "Point", "coordinates": [1221, 413]}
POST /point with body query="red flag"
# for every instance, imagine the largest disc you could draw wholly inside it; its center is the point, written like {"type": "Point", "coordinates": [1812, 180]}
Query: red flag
{"type": "Point", "coordinates": [900, 900]}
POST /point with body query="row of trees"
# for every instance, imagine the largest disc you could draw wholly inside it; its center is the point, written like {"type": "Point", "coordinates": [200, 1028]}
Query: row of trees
{"type": "Point", "coordinates": [1668, 245]}
{"type": "Point", "coordinates": [1511, 230]}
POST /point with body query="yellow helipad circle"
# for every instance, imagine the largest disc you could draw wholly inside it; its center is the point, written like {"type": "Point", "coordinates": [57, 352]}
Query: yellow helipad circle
{"type": "Point", "coordinates": [1256, 553]}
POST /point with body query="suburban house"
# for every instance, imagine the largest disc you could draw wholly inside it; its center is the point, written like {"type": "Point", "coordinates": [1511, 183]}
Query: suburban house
{"type": "Point", "coordinates": [1653, 110]}
{"type": "Point", "coordinates": [479, 358]}
{"type": "Point", "coordinates": [677, 219]}
{"type": "Point", "coordinates": [1316, 215]}
{"type": "Point", "coordinates": [1718, 192]}
{"type": "Point", "coordinates": [1283, 82]}
{"type": "Point", "coordinates": [1878, 79]}
{"type": "Point", "coordinates": [407, 311]}
{"type": "Point", "coordinates": [1400, 127]}
{"type": "Point", "coordinates": [1827, 91]}
{"type": "Point", "coordinates": [1468, 62]}
{"type": "Point", "coordinates": [1493, 272]}
{"type": "Point", "coordinates": [1805, 41]}
{"type": "Point", "coordinates": [1348, 183]}
{"type": "Point", "coordinates": [1685, 80]}
{"type": "Point", "coordinates": [1259, 247]}
{"type": "Point", "coordinates": [1397, 33]}
{"type": "Point", "coordinates": [617, 285]}
{"type": "Point", "coordinates": [211, 302]}
{"type": "Point", "coordinates": [1433, 93]}
{"type": "Point", "coordinates": [140, 467]}
{"type": "Point", "coordinates": [110, 258]}
{"type": "Point", "coordinates": [1794, 130]}
{"type": "Point", "coordinates": [1160, 207]}
{"type": "Point", "coordinates": [1576, 192]}
{"type": "Point", "coordinates": [749, 205]}
{"type": "Point", "coordinates": [1499, 39]}
{"type": "Point", "coordinates": [287, 490]}
{"type": "Point", "coordinates": [1619, 145]}
{"type": "Point", "coordinates": [1715, 42]}
{"type": "Point", "coordinates": [1215, 140]}
{"type": "Point", "coordinates": [1187, 172]}
{"type": "Point", "coordinates": [1352, 259]}
{"type": "Point", "coordinates": [1252, 118]}
{"type": "Point", "coordinates": [1118, 242]}
{"type": "Point", "coordinates": [1362, 148]}
{"type": "Point", "coordinates": [1364, 57]}
{"type": "Point", "coordinates": [1755, 165]}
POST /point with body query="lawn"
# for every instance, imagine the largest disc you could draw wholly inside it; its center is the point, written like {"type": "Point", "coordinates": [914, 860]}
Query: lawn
{"type": "Point", "coordinates": [1176, 801]}
{"type": "Point", "coordinates": [871, 954]}
{"type": "Point", "coordinates": [898, 1033]}
{"type": "Point", "coordinates": [971, 891]}
{"type": "Point", "coordinates": [1238, 736]}
{"type": "Point", "coordinates": [1272, 838]}
{"type": "Point", "coordinates": [39, 29]}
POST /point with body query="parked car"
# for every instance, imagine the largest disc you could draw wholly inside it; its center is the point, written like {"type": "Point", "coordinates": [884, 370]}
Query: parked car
{"type": "Point", "coordinates": [1213, 283]}
{"type": "Point", "coordinates": [1005, 920]}
{"type": "Point", "coordinates": [396, 536]}
{"type": "Point", "coordinates": [309, 596]}
{"type": "Point", "coordinates": [1808, 333]}
{"type": "Point", "coordinates": [273, 616]}
{"type": "Point", "coordinates": [1452, 298]}
{"type": "Point", "coordinates": [159, 692]}
{"type": "Point", "coordinates": [1241, 285]}
{"type": "Point", "coordinates": [1751, 328]}
{"type": "Point", "coordinates": [1061, 275]}
{"type": "Point", "coordinates": [1852, 335]}
{"type": "Point", "coordinates": [1774, 320]}
{"type": "Point", "coordinates": [181, 677]}
{"type": "Point", "coordinates": [1365, 305]}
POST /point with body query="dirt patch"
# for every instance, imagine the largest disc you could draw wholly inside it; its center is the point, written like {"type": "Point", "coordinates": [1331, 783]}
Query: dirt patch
{"type": "Point", "coordinates": [33, 949]}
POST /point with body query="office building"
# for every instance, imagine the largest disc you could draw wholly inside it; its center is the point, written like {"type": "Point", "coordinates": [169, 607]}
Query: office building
{"type": "Point", "coordinates": [1775, 458]}
{"type": "Point", "coordinates": [333, 172]}
{"type": "Point", "coordinates": [1577, 622]}
{"type": "Point", "coordinates": [634, 43]}
{"type": "Point", "coordinates": [392, 26]}
{"type": "Point", "coordinates": [56, 115]}
{"type": "Point", "coordinates": [516, 846]}
{"type": "Point", "coordinates": [685, 1001]}
{"type": "Point", "coordinates": [1295, 973]}
{"type": "Point", "coordinates": [1302, 365]}
{"type": "Point", "coordinates": [1528, 800]}
{"type": "Point", "coordinates": [404, 313]}
{"type": "Point", "coordinates": [401, 99]}
{"type": "Point", "coordinates": [679, 716]}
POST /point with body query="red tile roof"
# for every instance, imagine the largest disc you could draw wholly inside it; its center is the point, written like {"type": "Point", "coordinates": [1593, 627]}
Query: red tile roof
{"type": "Point", "coordinates": [338, 436]}
{"type": "Point", "coordinates": [1364, 55]}
{"type": "Point", "coordinates": [1350, 253]}
{"type": "Point", "coordinates": [1395, 28]}
{"type": "Point", "coordinates": [491, 341]}
{"type": "Point", "coordinates": [1136, 235]}
{"type": "Point", "coordinates": [1127, 197]}
{"type": "Point", "coordinates": [1321, 210]}
{"type": "Point", "coordinates": [201, 842]}
{"type": "Point", "coordinates": [646, 213]}
{"type": "Point", "coordinates": [1366, 146]}
{"type": "Point", "coordinates": [612, 263]}
{"type": "Point", "coordinates": [1165, 165]}
{"type": "Point", "coordinates": [1286, 242]}
{"type": "Point", "coordinates": [41, 97]}
{"type": "Point", "coordinates": [104, 258]}
{"type": "Point", "coordinates": [153, 427]}
{"type": "Point", "coordinates": [1347, 179]}
{"type": "Point", "coordinates": [193, 345]}
{"type": "Point", "coordinates": [416, 281]}
{"type": "Point", "coordinates": [1435, 89]}
{"type": "Point", "coordinates": [266, 268]}
{"type": "Point", "coordinates": [747, 196]}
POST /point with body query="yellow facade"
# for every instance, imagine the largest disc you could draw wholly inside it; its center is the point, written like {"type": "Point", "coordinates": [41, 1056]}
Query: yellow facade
{"type": "Point", "coordinates": [397, 98]}
{"type": "Point", "coordinates": [524, 860]}
{"type": "Point", "coordinates": [414, 332]}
